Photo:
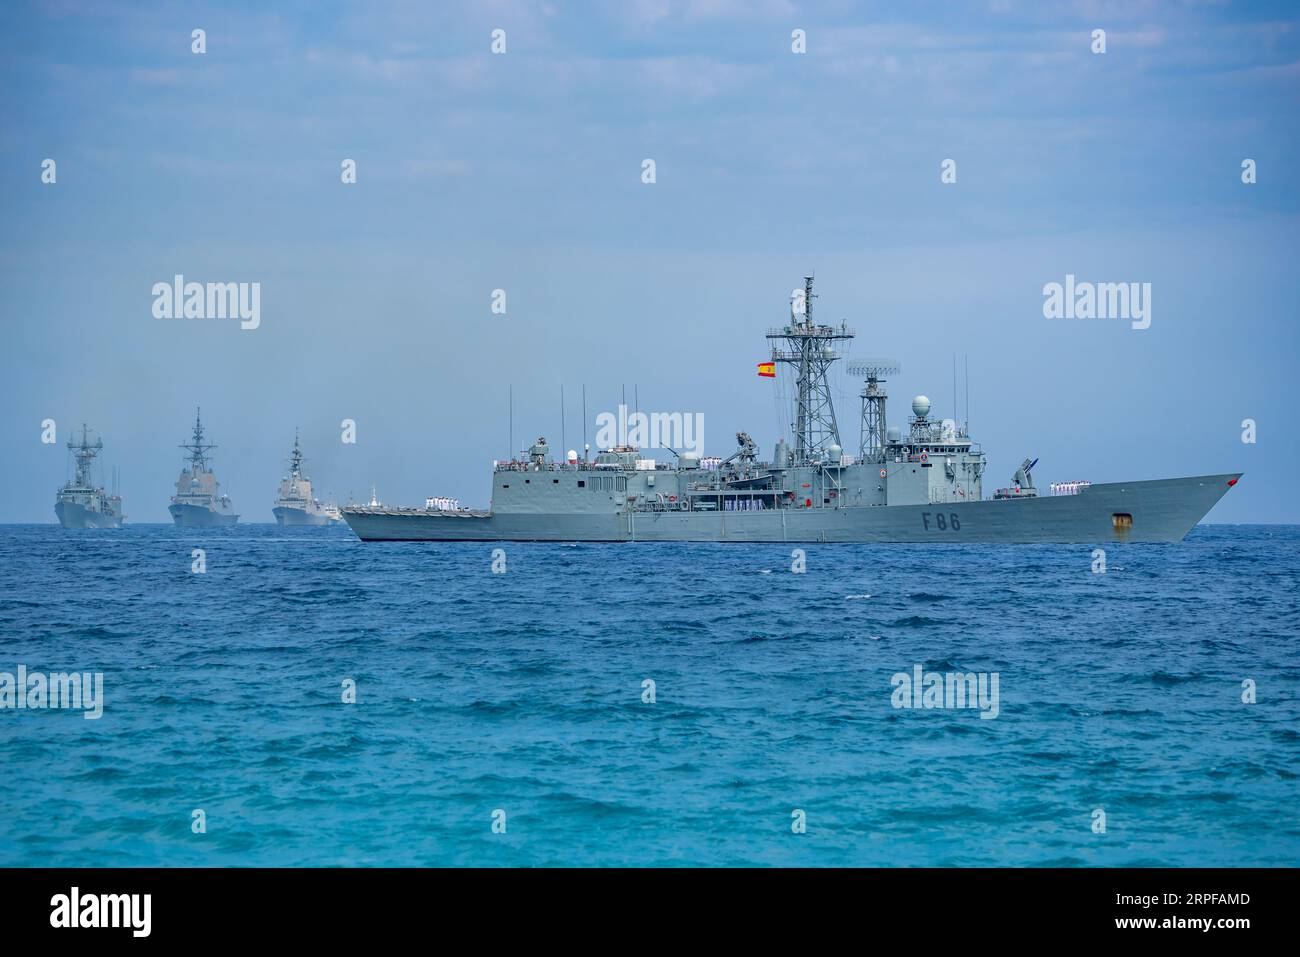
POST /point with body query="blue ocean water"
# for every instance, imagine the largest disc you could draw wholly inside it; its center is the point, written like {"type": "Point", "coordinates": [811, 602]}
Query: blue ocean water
{"type": "Point", "coordinates": [522, 692]}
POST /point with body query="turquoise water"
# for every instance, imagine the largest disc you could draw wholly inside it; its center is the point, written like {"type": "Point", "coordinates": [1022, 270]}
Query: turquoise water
{"type": "Point", "coordinates": [522, 692]}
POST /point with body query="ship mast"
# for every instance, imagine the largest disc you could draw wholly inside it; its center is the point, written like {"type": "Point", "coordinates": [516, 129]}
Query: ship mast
{"type": "Point", "coordinates": [810, 350]}
{"type": "Point", "coordinates": [197, 448]}
{"type": "Point", "coordinates": [873, 432]}
{"type": "Point", "coordinates": [84, 453]}
{"type": "Point", "coordinates": [295, 458]}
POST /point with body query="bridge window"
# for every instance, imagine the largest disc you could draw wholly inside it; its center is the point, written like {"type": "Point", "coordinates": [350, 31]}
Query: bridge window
{"type": "Point", "coordinates": [1122, 521]}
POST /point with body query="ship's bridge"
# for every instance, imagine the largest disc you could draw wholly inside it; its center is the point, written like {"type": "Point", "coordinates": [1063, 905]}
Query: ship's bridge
{"type": "Point", "coordinates": [933, 462]}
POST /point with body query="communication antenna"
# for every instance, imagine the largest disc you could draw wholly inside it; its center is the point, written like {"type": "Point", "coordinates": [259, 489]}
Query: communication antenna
{"type": "Point", "coordinates": [872, 433]}
{"type": "Point", "coordinates": [564, 442]}
{"type": "Point", "coordinates": [510, 391]}
{"type": "Point", "coordinates": [584, 423]}
{"type": "Point", "coordinates": [968, 394]}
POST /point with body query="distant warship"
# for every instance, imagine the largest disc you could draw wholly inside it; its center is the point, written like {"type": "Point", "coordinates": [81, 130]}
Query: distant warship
{"type": "Point", "coordinates": [296, 506]}
{"type": "Point", "coordinates": [919, 484]}
{"type": "Point", "coordinates": [197, 503]}
{"type": "Point", "coordinates": [80, 503]}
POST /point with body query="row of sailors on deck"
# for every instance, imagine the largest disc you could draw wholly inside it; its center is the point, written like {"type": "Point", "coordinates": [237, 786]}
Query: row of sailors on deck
{"type": "Point", "coordinates": [1068, 488]}
{"type": "Point", "coordinates": [442, 504]}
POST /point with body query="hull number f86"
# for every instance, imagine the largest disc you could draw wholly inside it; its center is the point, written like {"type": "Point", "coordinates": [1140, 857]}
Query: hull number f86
{"type": "Point", "coordinates": [938, 521]}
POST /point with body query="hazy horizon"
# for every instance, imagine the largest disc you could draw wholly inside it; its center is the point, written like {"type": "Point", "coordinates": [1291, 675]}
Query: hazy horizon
{"type": "Point", "coordinates": [522, 171]}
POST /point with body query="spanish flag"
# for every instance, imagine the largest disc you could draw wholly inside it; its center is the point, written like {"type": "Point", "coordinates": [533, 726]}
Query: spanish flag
{"type": "Point", "coordinates": [767, 369]}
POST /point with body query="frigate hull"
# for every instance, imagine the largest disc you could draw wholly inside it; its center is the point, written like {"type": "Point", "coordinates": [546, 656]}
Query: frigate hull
{"type": "Point", "coordinates": [72, 515]}
{"type": "Point", "coordinates": [1163, 510]}
{"type": "Point", "coordinates": [287, 516]}
{"type": "Point", "coordinates": [196, 516]}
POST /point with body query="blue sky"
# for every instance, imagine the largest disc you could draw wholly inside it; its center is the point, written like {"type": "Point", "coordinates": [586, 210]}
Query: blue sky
{"type": "Point", "coordinates": [522, 172]}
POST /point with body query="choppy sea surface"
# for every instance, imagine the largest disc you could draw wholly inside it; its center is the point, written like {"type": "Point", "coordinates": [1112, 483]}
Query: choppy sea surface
{"type": "Point", "coordinates": [523, 692]}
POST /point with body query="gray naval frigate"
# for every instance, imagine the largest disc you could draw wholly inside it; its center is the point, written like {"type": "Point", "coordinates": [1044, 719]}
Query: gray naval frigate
{"type": "Point", "coordinates": [198, 502]}
{"type": "Point", "coordinates": [922, 483]}
{"type": "Point", "coordinates": [80, 503]}
{"type": "Point", "coordinates": [296, 504]}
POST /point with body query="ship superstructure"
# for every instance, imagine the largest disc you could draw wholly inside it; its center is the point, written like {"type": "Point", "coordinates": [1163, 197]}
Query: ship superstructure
{"type": "Point", "coordinates": [80, 503]}
{"type": "Point", "coordinates": [296, 505]}
{"type": "Point", "coordinates": [198, 501]}
{"type": "Point", "coordinates": [922, 483]}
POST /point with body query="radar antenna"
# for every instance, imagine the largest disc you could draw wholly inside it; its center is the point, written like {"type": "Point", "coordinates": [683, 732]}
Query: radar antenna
{"type": "Point", "coordinates": [872, 433]}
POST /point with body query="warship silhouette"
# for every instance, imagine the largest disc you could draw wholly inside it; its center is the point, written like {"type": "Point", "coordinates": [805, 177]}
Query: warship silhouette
{"type": "Point", "coordinates": [296, 504]}
{"type": "Point", "coordinates": [80, 503]}
{"type": "Point", "coordinates": [919, 484]}
{"type": "Point", "coordinates": [198, 503]}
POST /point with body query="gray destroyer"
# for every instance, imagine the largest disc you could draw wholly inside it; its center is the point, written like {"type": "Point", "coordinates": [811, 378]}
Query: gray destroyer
{"type": "Point", "coordinates": [296, 505]}
{"type": "Point", "coordinates": [80, 503]}
{"type": "Point", "coordinates": [198, 502]}
{"type": "Point", "coordinates": [923, 483]}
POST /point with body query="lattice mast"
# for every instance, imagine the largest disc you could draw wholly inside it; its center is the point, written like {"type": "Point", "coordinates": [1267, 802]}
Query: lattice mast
{"type": "Point", "coordinates": [295, 458]}
{"type": "Point", "coordinates": [84, 452]}
{"type": "Point", "coordinates": [197, 448]}
{"type": "Point", "coordinates": [872, 434]}
{"type": "Point", "coordinates": [810, 350]}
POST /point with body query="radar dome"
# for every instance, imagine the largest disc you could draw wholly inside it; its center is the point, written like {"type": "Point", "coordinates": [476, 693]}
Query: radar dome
{"type": "Point", "coordinates": [920, 407]}
{"type": "Point", "coordinates": [895, 434]}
